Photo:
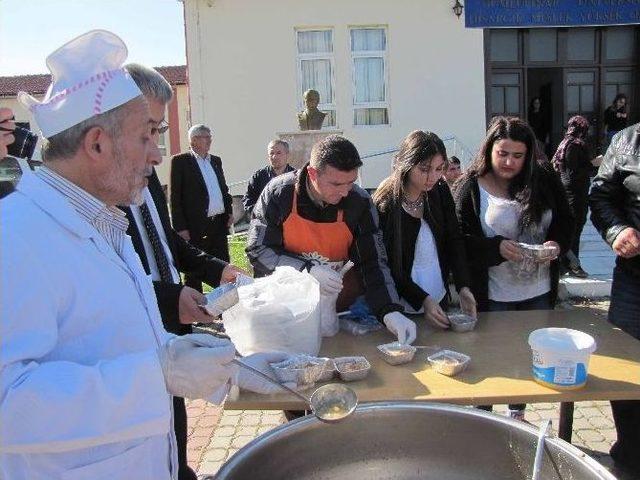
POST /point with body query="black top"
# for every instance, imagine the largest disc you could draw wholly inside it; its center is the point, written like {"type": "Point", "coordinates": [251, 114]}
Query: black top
{"type": "Point", "coordinates": [539, 124]}
{"type": "Point", "coordinates": [257, 183]}
{"type": "Point", "coordinates": [400, 232]}
{"type": "Point", "coordinates": [190, 197]}
{"type": "Point", "coordinates": [484, 252]}
{"type": "Point", "coordinates": [612, 121]}
{"type": "Point", "coordinates": [575, 171]}
{"type": "Point", "coordinates": [265, 242]}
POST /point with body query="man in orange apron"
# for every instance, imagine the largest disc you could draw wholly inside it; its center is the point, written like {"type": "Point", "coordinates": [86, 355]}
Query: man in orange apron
{"type": "Point", "coordinates": [316, 219]}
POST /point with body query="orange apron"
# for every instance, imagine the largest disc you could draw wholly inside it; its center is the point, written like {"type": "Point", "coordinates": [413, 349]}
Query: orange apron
{"type": "Point", "coordinates": [326, 242]}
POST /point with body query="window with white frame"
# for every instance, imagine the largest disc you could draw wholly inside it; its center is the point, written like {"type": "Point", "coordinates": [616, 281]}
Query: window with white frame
{"type": "Point", "coordinates": [316, 69]}
{"type": "Point", "coordinates": [369, 59]}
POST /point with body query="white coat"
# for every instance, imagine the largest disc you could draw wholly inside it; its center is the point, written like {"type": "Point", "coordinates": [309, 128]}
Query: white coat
{"type": "Point", "coordinates": [82, 394]}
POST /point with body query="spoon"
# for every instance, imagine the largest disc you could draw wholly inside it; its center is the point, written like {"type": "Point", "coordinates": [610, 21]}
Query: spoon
{"type": "Point", "coordinates": [537, 463]}
{"type": "Point", "coordinates": [330, 403]}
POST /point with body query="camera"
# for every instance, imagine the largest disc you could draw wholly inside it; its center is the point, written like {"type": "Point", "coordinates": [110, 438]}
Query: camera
{"type": "Point", "coordinates": [24, 144]}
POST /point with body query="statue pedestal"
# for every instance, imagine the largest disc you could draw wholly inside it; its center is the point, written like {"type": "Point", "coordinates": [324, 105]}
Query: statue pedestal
{"type": "Point", "coordinates": [300, 144]}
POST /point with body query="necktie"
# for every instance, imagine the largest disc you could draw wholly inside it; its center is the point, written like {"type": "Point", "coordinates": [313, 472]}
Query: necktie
{"type": "Point", "coordinates": [158, 252]}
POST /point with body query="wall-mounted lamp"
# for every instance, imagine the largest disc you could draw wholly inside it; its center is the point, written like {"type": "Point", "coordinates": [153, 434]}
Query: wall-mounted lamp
{"type": "Point", "coordinates": [457, 8]}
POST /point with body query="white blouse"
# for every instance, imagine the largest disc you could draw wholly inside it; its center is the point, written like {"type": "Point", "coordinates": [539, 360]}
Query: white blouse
{"type": "Point", "coordinates": [514, 281]}
{"type": "Point", "coordinates": [426, 272]}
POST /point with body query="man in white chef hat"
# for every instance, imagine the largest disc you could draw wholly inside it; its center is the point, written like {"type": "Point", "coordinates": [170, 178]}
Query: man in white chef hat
{"type": "Point", "coordinates": [87, 368]}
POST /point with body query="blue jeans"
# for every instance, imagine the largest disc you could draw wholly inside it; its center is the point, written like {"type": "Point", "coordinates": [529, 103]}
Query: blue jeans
{"type": "Point", "coordinates": [541, 302]}
{"type": "Point", "coordinates": [624, 312]}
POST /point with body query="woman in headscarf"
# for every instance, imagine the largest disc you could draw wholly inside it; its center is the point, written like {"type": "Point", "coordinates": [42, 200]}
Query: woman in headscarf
{"type": "Point", "coordinates": [572, 161]}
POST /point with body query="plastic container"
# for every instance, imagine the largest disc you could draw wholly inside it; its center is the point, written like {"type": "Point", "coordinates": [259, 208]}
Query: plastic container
{"type": "Point", "coordinates": [461, 322]}
{"type": "Point", "coordinates": [329, 323]}
{"type": "Point", "coordinates": [561, 357]}
{"type": "Point", "coordinates": [352, 368]}
{"type": "Point", "coordinates": [396, 353]}
{"type": "Point", "coordinates": [221, 299]}
{"type": "Point", "coordinates": [301, 369]}
{"type": "Point", "coordinates": [448, 362]}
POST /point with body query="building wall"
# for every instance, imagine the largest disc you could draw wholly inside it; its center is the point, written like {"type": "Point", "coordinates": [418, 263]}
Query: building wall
{"type": "Point", "coordinates": [181, 97]}
{"type": "Point", "coordinates": [241, 57]}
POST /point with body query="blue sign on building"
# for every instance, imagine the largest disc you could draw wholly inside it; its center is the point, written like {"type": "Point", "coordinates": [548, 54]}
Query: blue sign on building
{"type": "Point", "coordinates": [550, 13]}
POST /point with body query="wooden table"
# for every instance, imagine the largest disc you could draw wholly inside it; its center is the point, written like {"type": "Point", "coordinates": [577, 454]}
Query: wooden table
{"type": "Point", "coordinates": [500, 368]}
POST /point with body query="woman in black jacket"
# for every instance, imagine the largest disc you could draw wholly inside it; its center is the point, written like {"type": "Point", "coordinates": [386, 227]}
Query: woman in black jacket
{"type": "Point", "coordinates": [420, 229]}
{"type": "Point", "coordinates": [506, 190]}
{"type": "Point", "coordinates": [506, 197]}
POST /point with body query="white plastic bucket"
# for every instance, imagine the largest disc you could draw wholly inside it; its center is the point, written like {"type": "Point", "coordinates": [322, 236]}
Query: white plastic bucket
{"type": "Point", "coordinates": [561, 357]}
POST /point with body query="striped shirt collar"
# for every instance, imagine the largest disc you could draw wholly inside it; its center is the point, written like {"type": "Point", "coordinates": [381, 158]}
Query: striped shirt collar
{"type": "Point", "coordinates": [110, 221]}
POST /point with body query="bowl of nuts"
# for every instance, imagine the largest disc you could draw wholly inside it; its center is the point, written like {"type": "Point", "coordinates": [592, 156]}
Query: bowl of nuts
{"type": "Point", "coordinates": [448, 362]}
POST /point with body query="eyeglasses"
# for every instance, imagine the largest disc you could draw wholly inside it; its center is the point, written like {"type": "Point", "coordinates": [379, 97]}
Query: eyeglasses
{"type": "Point", "coordinates": [162, 127]}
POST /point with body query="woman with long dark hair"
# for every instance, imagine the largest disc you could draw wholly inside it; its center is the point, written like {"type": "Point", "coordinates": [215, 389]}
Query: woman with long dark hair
{"type": "Point", "coordinates": [572, 161]}
{"type": "Point", "coordinates": [420, 229]}
{"type": "Point", "coordinates": [506, 197]}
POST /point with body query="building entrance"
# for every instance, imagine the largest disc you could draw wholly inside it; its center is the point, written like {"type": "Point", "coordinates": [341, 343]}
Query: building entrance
{"type": "Point", "coordinates": [567, 71]}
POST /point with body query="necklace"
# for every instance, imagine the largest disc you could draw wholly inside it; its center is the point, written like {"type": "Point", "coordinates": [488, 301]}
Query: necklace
{"type": "Point", "coordinates": [413, 206]}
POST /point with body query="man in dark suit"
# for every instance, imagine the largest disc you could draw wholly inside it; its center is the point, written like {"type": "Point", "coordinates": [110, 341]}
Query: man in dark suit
{"type": "Point", "coordinates": [164, 253]}
{"type": "Point", "coordinates": [200, 199]}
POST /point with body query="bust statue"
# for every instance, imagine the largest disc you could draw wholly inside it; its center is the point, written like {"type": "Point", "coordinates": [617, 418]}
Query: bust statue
{"type": "Point", "coordinates": [311, 118]}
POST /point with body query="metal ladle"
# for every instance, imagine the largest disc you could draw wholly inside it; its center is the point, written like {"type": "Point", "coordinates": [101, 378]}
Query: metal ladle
{"type": "Point", "coordinates": [329, 403]}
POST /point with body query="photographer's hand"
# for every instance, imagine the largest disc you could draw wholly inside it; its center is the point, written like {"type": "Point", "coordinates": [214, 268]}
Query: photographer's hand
{"type": "Point", "coordinates": [6, 128]}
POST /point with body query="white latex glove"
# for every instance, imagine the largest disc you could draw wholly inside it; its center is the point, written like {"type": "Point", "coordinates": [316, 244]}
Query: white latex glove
{"type": "Point", "coordinates": [196, 365]}
{"type": "Point", "coordinates": [247, 380]}
{"type": "Point", "coordinates": [330, 281]}
{"type": "Point", "coordinates": [400, 326]}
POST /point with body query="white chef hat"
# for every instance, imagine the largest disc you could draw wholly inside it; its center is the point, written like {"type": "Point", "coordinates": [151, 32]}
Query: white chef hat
{"type": "Point", "coordinates": [87, 78]}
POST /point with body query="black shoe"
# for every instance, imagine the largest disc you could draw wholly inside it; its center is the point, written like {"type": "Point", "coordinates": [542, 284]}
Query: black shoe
{"type": "Point", "coordinates": [578, 272]}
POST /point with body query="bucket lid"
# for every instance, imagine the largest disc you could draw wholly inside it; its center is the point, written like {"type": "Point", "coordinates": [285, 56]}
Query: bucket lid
{"type": "Point", "coordinates": [562, 340]}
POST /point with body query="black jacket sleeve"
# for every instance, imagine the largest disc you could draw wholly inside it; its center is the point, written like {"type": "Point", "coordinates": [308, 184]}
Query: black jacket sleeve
{"type": "Point", "coordinates": [454, 240]}
{"type": "Point", "coordinates": [482, 250]}
{"type": "Point", "coordinates": [607, 197]}
{"type": "Point", "coordinates": [398, 240]}
{"type": "Point", "coordinates": [253, 192]}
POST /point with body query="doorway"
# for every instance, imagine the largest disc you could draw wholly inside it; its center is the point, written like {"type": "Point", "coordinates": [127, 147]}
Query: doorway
{"type": "Point", "coordinates": [546, 84]}
{"type": "Point", "coordinates": [574, 70]}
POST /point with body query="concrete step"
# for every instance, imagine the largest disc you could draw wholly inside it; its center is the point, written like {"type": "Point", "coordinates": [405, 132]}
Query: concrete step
{"type": "Point", "coordinates": [593, 287]}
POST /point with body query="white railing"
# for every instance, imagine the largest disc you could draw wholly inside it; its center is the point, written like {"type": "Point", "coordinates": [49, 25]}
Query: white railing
{"type": "Point", "coordinates": [377, 165]}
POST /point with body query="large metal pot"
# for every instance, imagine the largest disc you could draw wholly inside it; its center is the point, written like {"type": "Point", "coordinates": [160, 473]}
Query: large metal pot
{"type": "Point", "coordinates": [407, 441]}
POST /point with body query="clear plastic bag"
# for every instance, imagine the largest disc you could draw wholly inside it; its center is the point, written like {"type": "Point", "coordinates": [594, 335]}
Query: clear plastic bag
{"type": "Point", "coordinates": [278, 312]}
{"type": "Point", "coordinates": [329, 324]}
